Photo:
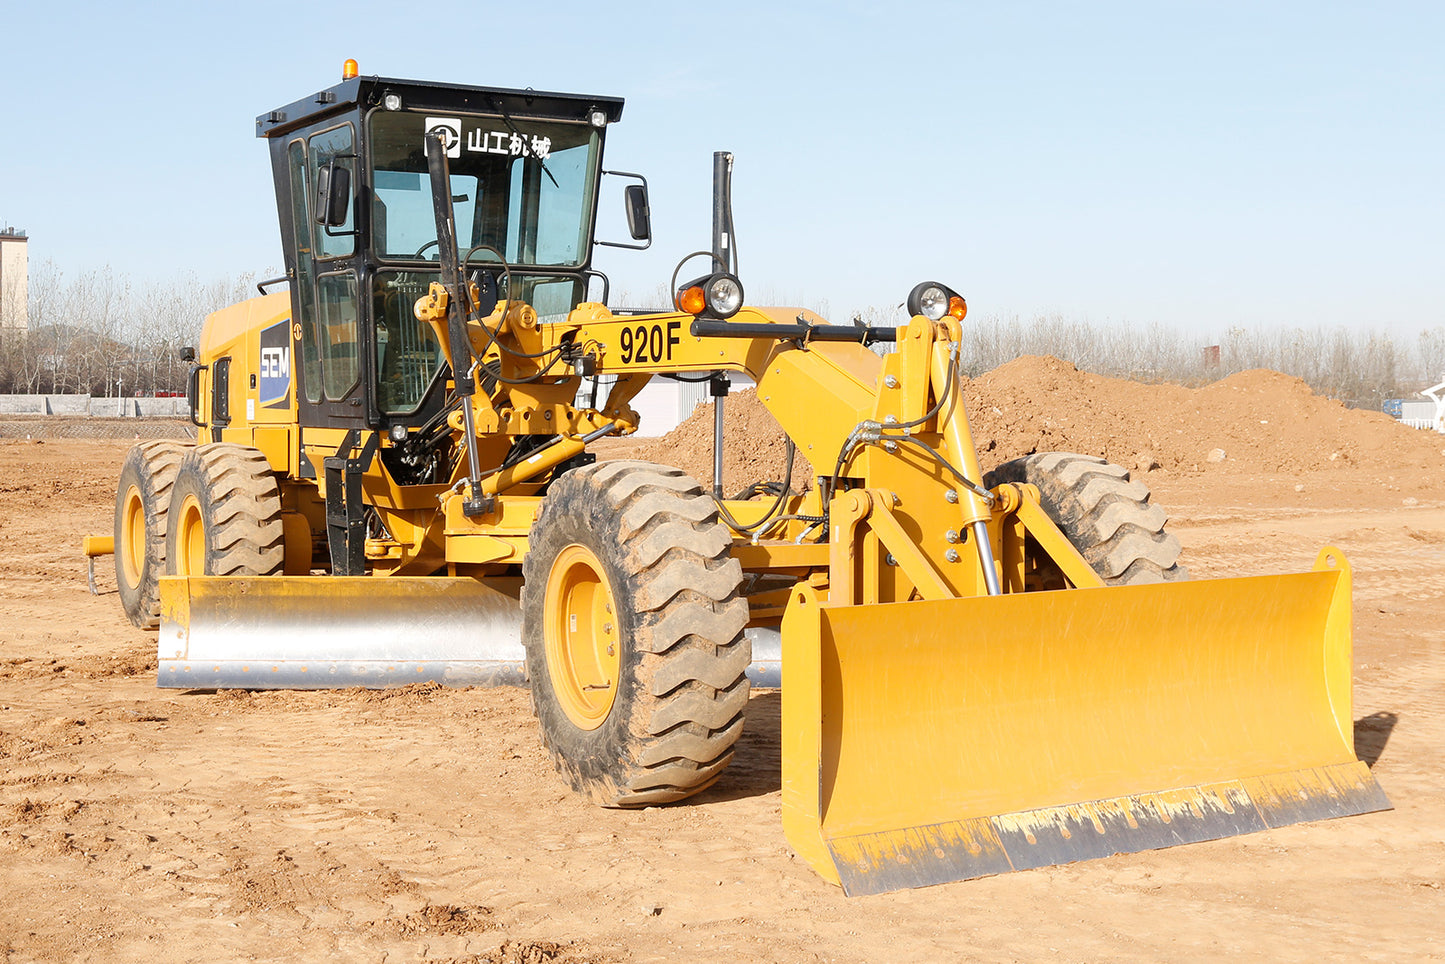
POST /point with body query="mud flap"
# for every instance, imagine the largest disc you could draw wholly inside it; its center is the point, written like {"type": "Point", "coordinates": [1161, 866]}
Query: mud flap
{"type": "Point", "coordinates": [934, 741]}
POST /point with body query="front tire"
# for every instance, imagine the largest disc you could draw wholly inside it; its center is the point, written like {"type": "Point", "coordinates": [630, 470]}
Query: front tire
{"type": "Point", "coordinates": [633, 627]}
{"type": "Point", "coordinates": [142, 502]}
{"type": "Point", "coordinates": [1105, 514]}
{"type": "Point", "coordinates": [225, 514]}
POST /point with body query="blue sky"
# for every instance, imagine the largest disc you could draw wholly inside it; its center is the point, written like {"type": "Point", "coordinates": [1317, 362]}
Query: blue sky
{"type": "Point", "coordinates": [1199, 165]}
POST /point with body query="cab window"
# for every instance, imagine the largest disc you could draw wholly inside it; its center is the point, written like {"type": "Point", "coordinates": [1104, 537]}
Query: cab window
{"type": "Point", "coordinates": [325, 148]}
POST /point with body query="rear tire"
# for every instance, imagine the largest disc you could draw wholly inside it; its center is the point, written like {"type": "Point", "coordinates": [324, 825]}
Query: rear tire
{"type": "Point", "coordinates": [634, 633]}
{"type": "Point", "coordinates": [142, 501]}
{"type": "Point", "coordinates": [225, 514]}
{"type": "Point", "coordinates": [1106, 515]}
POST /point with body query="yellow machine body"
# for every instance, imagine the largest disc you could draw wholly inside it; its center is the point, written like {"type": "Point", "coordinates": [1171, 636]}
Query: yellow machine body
{"type": "Point", "coordinates": [932, 732]}
{"type": "Point", "coordinates": [963, 693]}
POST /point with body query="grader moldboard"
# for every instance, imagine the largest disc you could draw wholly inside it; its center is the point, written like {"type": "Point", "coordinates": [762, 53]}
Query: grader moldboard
{"type": "Point", "coordinates": [980, 672]}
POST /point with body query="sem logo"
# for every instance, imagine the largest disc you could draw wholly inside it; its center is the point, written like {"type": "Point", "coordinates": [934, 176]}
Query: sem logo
{"type": "Point", "coordinates": [275, 363]}
{"type": "Point", "coordinates": [450, 129]}
{"type": "Point", "coordinates": [275, 366]}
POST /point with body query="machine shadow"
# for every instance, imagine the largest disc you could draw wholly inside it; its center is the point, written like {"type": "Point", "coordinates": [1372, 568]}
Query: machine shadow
{"type": "Point", "coordinates": [1371, 734]}
{"type": "Point", "coordinates": [757, 766]}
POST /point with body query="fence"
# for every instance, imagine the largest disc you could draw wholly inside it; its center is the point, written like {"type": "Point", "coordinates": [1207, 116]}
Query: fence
{"type": "Point", "coordinates": [95, 407]}
{"type": "Point", "coordinates": [1423, 415]}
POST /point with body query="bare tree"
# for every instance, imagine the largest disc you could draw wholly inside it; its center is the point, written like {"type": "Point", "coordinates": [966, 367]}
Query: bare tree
{"type": "Point", "coordinates": [97, 332]}
{"type": "Point", "coordinates": [1432, 355]}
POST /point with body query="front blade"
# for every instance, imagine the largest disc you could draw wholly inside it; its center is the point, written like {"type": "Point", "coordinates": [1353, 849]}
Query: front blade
{"type": "Point", "coordinates": [958, 738]}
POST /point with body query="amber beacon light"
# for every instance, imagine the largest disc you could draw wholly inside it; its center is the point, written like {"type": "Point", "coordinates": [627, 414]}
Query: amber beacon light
{"type": "Point", "coordinates": [349, 70]}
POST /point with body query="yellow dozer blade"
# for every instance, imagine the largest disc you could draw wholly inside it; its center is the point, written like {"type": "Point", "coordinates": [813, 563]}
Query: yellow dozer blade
{"type": "Point", "coordinates": [942, 740]}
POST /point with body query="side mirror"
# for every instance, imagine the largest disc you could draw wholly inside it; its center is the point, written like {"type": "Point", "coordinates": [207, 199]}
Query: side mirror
{"type": "Point", "coordinates": [188, 353]}
{"type": "Point", "coordinates": [333, 195]}
{"type": "Point", "coordinates": [639, 215]}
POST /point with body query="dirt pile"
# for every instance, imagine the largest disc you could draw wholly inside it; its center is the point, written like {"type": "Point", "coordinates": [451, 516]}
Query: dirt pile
{"type": "Point", "coordinates": [754, 446]}
{"type": "Point", "coordinates": [1258, 421]}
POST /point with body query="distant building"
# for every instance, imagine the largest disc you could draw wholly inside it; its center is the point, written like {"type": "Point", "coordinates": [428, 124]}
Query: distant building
{"type": "Point", "coordinates": [1426, 415]}
{"type": "Point", "coordinates": [14, 279]}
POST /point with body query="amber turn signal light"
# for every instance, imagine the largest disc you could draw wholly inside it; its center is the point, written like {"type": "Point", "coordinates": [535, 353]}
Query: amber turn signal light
{"type": "Point", "coordinates": [692, 300]}
{"type": "Point", "coordinates": [718, 295]}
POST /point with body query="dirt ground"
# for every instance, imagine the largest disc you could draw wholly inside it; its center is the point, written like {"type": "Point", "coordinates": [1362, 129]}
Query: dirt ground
{"type": "Point", "coordinates": [139, 824]}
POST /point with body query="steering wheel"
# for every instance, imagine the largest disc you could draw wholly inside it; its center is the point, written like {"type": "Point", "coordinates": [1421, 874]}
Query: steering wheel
{"type": "Point", "coordinates": [430, 244]}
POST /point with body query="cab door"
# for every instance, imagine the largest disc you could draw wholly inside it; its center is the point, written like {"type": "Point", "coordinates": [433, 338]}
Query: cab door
{"type": "Point", "coordinates": [328, 323]}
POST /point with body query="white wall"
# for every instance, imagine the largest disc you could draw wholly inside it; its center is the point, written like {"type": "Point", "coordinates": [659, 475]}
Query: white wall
{"type": "Point", "coordinates": [665, 404]}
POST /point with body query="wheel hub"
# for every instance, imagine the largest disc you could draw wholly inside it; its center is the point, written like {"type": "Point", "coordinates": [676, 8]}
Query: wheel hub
{"type": "Point", "coordinates": [191, 540]}
{"type": "Point", "coordinates": [132, 546]}
{"type": "Point", "coordinates": [583, 644]}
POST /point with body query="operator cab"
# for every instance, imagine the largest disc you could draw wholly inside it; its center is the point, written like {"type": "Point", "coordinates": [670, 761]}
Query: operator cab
{"type": "Point", "coordinates": [359, 233]}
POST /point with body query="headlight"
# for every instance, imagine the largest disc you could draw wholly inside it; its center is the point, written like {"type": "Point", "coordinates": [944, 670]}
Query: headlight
{"type": "Point", "coordinates": [718, 295]}
{"type": "Point", "coordinates": [933, 300]}
{"type": "Point", "coordinates": [724, 295]}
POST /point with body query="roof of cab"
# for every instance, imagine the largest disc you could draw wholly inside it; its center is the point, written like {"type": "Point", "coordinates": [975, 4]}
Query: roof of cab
{"type": "Point", "coordinates": [425, 95]}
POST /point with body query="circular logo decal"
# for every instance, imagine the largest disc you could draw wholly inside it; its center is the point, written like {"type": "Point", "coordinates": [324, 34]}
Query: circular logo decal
{"type": "Point", "coordinates": [450, 135]}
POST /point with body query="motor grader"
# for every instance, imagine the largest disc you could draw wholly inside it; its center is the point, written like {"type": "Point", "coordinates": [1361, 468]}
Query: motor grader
{"type": "Point", "coordinates": [392, 482]}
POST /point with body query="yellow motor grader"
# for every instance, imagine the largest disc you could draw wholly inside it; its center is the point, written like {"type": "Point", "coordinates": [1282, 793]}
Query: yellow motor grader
{"type": "Point", "coordinates": [392, 482]}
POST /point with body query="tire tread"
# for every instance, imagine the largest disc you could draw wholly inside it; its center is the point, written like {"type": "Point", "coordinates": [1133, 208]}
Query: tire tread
{"type": "Point", "coordinates": [1104, 512]}
{"type": "Point", "coordinates": [690, 699]}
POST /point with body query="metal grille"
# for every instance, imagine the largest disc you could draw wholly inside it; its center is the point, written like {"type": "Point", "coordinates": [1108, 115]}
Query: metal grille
{"type": "Point", "coordinates": [408, 355]}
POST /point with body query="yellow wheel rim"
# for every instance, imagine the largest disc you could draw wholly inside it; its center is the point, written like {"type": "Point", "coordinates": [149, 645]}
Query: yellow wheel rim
{"type": "Point", "coordinates": [584, 653]}
{"type": "Point", "coordinates": [190, 540]}
{"type": "Point", "coordinates": [132, 547]}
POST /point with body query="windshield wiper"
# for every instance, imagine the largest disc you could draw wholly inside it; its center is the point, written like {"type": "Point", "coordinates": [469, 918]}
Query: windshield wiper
{"type": "Point", "coordinates": [526, 148]}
